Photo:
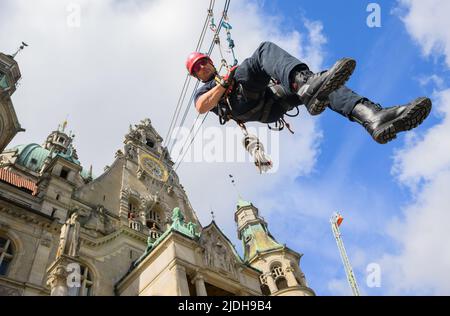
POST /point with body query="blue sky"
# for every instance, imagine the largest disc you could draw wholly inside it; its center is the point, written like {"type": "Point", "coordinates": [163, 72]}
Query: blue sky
{"type": "Point", "coordinates": [125, 61]}
{"type": "Point", "coordinates": [390, 66]}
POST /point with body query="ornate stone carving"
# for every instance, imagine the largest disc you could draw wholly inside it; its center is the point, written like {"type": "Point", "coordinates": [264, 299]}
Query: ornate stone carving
{"type": "Point", "coordinates": [216, 254]}
{"type": "Point", "coordinates": [130, 151]}
{"type": "Point", "coordinates": [133, 134]}
{"type": "Point", "coordinates": [57, 280]}
{"type": "Point", "coordinates": [140, 173]}
{"type": "Point", "coordinates": [119, 154]}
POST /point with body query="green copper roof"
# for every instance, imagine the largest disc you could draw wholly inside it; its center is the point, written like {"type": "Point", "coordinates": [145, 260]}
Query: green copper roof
{"type": "Point", "coordinates": [32, 157]}
{"type": "Point", "coordinates": [69, 158]}
{"type": "Point", "coordinates": [256, 240]}
{"type": "Point", "coordinates": [243, 203]}
{"type": "Point", "coordinates": [178, 225]}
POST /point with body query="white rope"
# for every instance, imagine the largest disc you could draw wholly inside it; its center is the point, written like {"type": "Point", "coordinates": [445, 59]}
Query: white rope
{"type": "Point", "coordinates": [256, 149]}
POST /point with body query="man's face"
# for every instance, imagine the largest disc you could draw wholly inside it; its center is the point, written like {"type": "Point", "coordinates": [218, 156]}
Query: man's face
{"type": "Point", "coordinates": [203, 69]}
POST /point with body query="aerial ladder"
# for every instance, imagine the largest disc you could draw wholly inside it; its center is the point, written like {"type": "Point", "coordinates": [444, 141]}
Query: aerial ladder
{"type": "Point", "coordinates": [336, 221]}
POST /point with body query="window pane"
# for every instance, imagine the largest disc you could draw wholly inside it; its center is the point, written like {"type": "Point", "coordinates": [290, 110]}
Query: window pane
{"type": "Point", "coordinates": [3, 81]}
{"type": "Point", "coordinates": [4, 266]}
{"type": "Point", "coordinates": [2, 242]}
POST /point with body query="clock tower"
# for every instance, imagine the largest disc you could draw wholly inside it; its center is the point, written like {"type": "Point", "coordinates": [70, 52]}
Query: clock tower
{"type": "Point", "coordinates": [150, 188]}
{"type": "Point", "coordinates": [9, 77]}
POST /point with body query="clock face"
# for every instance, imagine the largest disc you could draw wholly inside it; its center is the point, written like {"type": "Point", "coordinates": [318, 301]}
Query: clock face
{"type": "Point", "coordinates": [153, 167]}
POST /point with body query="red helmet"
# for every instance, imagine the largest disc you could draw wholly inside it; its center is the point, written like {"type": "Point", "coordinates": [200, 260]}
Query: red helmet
{"type": "Point", "coordinates": [193, 58]}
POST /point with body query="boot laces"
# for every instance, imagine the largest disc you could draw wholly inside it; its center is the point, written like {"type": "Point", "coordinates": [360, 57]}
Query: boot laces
{"type": "Point", "coordinates": [305, 75]}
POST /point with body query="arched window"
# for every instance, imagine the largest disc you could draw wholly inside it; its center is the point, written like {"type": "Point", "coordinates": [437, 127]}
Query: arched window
{"type": "Point", "coordinates": [277, 271]}
{"type": "Point", "coordinates": [281, 283]}
{"type": "Point", "coordinates": [6, 255]}
{"type": "Point", "coordinates": [153, 218]}
{"type": "Point", "coordinates": [278, 275]}
{"type": "Point", "coordinates": [133, 205]}
{"type": "Point", "coordinates": [265, 290]}
{"type": "Point", "coordinates": [150, 143]}
{"type": "Point", "coordinates": [133, 209]}
{"type": "Point", "coordinates": [85, 286]}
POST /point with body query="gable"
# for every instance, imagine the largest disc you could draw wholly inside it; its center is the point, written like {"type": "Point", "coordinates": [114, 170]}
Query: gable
{"type": "Point", "coordinates": [218, 252]}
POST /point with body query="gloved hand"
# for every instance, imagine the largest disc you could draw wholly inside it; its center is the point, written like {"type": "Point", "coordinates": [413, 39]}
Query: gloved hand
{"type": "Point", "coordinates": [227, 80]}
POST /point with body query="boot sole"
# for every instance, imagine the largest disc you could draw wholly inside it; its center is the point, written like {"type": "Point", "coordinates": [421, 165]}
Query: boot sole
{"type": "Point", "coordinates": [412, 118]}
{"type": "Point", "coordinates": [340, 75]}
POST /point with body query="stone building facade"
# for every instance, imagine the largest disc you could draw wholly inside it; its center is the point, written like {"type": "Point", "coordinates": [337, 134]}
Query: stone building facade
{"type": "Point", "coordinates": [128, 232]}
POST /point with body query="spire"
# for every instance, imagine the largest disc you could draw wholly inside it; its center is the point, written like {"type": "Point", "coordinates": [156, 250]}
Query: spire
{"type": "Point", "coordinates": [279, 264]}
{"type": "Point", "coordinates": [253, 231]}
{"type": "Point", "coordinates": [64, 125]}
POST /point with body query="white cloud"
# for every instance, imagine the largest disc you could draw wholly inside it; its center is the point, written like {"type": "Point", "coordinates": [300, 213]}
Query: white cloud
{"type": "Point", "coordinates": [425, 157]}
{"type": "Point", "coordinates": [428, 24]}
{"type": "Point", "coordinates": [339, 287]}
{"type": "Point", "coordinates": [433, 79]}
{"type": "Point", "coordinates": [126, 62]}
{"type": "Point", "coordinates": [421, 265]}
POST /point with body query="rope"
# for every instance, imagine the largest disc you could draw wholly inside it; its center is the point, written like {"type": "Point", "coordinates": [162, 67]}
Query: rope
{"type": "Point", "coordinates": [187, 81]}
{"type": "Point", "coordinates": [226, 6]}
{"type": "Point", "coordinates": [256, 149]}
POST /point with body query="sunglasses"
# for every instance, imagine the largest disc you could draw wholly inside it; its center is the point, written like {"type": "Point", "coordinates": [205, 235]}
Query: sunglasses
{"type": "Point", "coordinates": [199, 64]}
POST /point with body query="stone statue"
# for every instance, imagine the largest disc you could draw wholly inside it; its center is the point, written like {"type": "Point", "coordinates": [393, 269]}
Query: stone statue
{"type": "Point", "coordinates": [130, 151]}
{"type": "Point", "coordinates": [206, 243]}
{"type": "Point", "coordinates": [69, 240]}
{"type": "Point", "coordinates": [192, 228]}
{"type": "Point", "coordinates": [220, 256]}
{"type": "Point", "coordinates": [146, 122]}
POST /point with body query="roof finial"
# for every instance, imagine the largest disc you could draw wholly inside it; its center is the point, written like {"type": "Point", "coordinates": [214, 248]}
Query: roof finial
{"type": "Point", "coordinates": [19, 49]}
{"type": "Point", "coordinates": [212, 215]}
{"type": "Point", "coordinates": [64, 125]}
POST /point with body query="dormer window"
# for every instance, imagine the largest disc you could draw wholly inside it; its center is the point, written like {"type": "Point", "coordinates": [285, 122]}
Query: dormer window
{"type": "Point", "coordinates": [33, 161]}
{"type": "Point", "coordinates": [3, 81]}
{"type": "Point", "coordinates": [150, 143]}
{"type": "Point", "coordinates": [64, 173]}
{"type": "Point", "coordinates": [61, 140]}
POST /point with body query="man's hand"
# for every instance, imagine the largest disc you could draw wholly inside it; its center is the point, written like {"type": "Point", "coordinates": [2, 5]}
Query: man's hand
{"type": "Point", "coordinates": [227, 80]}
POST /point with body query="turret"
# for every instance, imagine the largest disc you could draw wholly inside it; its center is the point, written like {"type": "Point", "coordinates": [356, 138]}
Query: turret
{"type": "Point", "coordinates": [280, 265]}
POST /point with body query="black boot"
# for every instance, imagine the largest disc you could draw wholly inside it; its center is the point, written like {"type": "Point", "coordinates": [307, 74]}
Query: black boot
{"type": "Point", "coordinates": [313, 89]}
{"type": "Point", "coordinates": [384, 124]}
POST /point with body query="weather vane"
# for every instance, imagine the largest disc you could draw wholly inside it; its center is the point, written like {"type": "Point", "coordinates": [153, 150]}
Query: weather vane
{"type": "Point", "coordinates": [20, 48]}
